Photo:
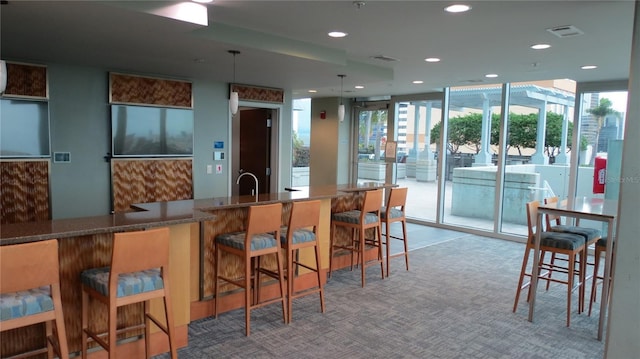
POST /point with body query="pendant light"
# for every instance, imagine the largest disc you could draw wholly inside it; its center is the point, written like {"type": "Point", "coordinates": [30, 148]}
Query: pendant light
{"type": "Point", "coordinates": [3, 76]}
{"type": "Point", "coordinates": [233, 97]}
{"type": "Point", "coordinates": [341, 107]}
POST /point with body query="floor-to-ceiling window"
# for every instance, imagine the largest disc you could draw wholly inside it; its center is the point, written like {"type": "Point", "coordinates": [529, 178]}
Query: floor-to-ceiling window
{"type": "Point", "coordinates": [470, 167]}
{"type": "Point", "coordinates": [602, 118]}
{"type": "Point", "coordinates": [538, 147]}
{"type": "Point", "coordinates": [301, 141]}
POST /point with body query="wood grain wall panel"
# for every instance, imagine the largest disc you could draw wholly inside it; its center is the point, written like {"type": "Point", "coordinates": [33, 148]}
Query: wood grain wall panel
{"type": "Point", "coordinates": [150, 180]}
{"type": "Point", "coordinates": [24, 194]}
{"type": "Point", "coordinates": [25, 80]}
{"type": "Point", "coordinates": [258, 94]}
{"type": "Point", "coordinates": [149, 91]}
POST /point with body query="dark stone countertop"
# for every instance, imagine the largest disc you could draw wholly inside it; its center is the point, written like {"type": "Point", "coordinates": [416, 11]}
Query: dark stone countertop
{"type": "Point", "coordinates": [157, 214]}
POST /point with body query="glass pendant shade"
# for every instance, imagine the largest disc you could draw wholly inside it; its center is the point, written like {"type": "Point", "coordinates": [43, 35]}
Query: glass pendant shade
{"type": "Point", "coordinates": [233, 103]}
{"type": "Point", "coordinates": [341, 112]}
{"type": "Point", "coordinates": [3, 76]}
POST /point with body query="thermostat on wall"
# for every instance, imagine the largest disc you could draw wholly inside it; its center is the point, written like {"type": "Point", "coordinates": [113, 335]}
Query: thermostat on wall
{"type": "Point", "coordinates": [61, 157]}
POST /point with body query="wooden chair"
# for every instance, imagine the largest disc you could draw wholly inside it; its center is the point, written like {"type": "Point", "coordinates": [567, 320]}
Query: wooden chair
{"type": "Point", "coordinates": [554, 223]}
{"type": "Point", "coordinates": [139, 272]}
{"type": "Point", "coordinates": [30, 293]}
{"type": "Point", "coordinates": [569, 244]}
{"type": "Point", "coordinates": [358, 221]}
{"type": "Point", "coordinates": [300, 233]}
{"type": "Point", "coordinates": [261, 238]}
{"type": "Point", "coordinates": [391, 213]}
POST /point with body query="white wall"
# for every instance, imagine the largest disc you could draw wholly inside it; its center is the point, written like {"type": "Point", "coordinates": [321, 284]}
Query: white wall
{"type": "Point", "coordinates": [623, 336]}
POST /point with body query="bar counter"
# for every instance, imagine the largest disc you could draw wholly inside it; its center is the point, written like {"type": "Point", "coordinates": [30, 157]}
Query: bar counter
{"type": "Point", "coordinates": [86, 243]}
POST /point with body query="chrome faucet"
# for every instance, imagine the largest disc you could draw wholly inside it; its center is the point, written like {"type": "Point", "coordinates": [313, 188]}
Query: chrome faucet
{"type": "Point", "coordinates": [255, 179]}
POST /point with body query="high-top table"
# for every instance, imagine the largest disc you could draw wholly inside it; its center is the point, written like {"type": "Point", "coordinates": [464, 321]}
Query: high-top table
{"type": "Point", "coordinates": [595, 209]}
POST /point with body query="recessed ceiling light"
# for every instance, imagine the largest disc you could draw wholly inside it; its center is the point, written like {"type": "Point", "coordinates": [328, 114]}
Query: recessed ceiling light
{"type": "Point", "coordinates": [432, 59]}
{"type": "Point", "coordinates": [457, 8]}
{"type": "Point", "coordinates": [589, 67]}
{"type": "Point", "coordinates": [312, 91]}
{"type": "Point", "coordinates": [540, 46]}
{"type": "Point", "coordinates": [417, 82]}
{"type": "Point", "coordinates": [359, 86]}
{"type": "Point", "coordinates": [337, 34]}
{"type": "Point", "coordinates": [491, 75]}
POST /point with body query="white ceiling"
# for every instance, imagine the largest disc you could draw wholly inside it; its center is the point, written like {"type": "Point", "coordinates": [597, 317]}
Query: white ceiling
{"type": "Point", "coordinates": [284, 44]}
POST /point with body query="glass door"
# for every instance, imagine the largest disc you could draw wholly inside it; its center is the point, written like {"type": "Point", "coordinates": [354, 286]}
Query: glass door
{"type": "Point", "coordinates": [417, 157]}
{"type": "Point", "coordinates": [370, 163]}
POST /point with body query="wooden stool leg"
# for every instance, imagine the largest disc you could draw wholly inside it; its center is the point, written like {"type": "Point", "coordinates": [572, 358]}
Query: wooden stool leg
{"type": "Point", "coordinates": [290, 281]}
{"type": "Point", "coordinates": [388, 244]}
{"type": "Point", "coordinates": [63, 348]}
{"type": "Point", "coordinates": [332, 234]}
{"type": "Point", "coordinates": [321, 289]}
{"type": "Point", "coordinates": [406, 244]}
{"type": "Point", "coordinates": [168, 312]}
{"type": "Point", "coordinates": [85, 321]}
{"type": "Point", "coordinates": [378, 235]}
{"type": "Point", "coordinates": [247, 296]}
{"type": "Point", "coordinates": [361, 256]}
{"type": "Point", "coordinates": [113, 318]}
{"type": "Point", "coordinates": [147, 329]}
{"type": "Point", "coordinates": [283, 292]}
{"type": "Point", "coordinates": [594, 280]}
{"type": "Point", "coordinates": [216, 285]}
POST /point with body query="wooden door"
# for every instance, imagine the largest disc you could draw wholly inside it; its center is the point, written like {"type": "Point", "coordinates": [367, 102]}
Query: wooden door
{"type": "Point", "coordinates": [255, 149]}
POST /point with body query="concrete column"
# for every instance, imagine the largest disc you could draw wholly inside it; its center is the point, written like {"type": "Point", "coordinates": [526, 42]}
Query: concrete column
{"type": "Point", "coordinates": [562, 158]}
{"type": "Point", "coordinates": [539, 158]}
{"type": "Point", "coordinates": [427, 132]}
{"type": "Point", "coordinates": [483, 158]}
{"type": "Point", "coordinates": [416, 128]}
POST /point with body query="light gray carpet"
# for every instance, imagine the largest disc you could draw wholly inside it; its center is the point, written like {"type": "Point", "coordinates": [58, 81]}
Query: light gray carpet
{"type": "Point", "coordinates": [455, 302]}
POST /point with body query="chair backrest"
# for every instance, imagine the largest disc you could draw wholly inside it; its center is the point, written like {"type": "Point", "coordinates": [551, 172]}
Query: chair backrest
{"type": "Point", "coordinates": [140, 250]}
{"type": "Point", "coordinates": [397, 198]}
{"type": "Point", "coordinates": [265, 218]}
{"type": "Point", "coordinates": [29, 265]}
{"type": "Point", "coordinates": [532, 217]}
{"type": "Point", "coordinates": [552, 219]}
{"type": "Point", "coordinates": [304, 214]}
{"type": "Point", "coordinates": [372, 201]}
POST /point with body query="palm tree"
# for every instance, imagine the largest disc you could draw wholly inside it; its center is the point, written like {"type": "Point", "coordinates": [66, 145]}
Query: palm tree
{"type": "Point", "coordinates": [600, 112]}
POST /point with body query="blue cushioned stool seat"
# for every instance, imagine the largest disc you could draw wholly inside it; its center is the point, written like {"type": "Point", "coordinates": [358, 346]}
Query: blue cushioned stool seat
{"type": "Point", "coordinates": [24, 303]}
{"type": "Point", "coordinates": [236, 240]}
{"type": "Point", "coordinates": [354, 217]}
{"type": "Point", "coordinates": [393, 213]}
{"type": "Point", "coordinates": [128, 284]}
{"type": "Point", "coordinates": [561, 240]}
{"type": "Point", "coordinates": [589, 234]}
{"type": "Point", "coordinates": [302, 235]}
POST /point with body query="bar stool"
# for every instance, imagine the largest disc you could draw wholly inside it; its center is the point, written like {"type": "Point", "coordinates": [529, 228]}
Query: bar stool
{"type": "Point", "coordinates": [139, 272]}
{"type": "Point", "coordinates": [260, 238]}
{"type": "Point", "coordinates": [30, 293]}
{"type": "Point", "coordinates": [359, 221]}
{"type": "Point", "coordinates": [391, 213]}
{"type": "Point", "coordinates": [601, 247]}
{"type": "Point", "coordinates": [554, 223]}
{"type": "Point", "coordinates": [301, 232]}
{"type": "Point", "coordinates": [570, 244]}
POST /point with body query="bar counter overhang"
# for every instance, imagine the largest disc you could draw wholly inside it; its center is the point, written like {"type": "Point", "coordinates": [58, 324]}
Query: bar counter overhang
{"type": "Point", "coordinates": [86, 243]}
